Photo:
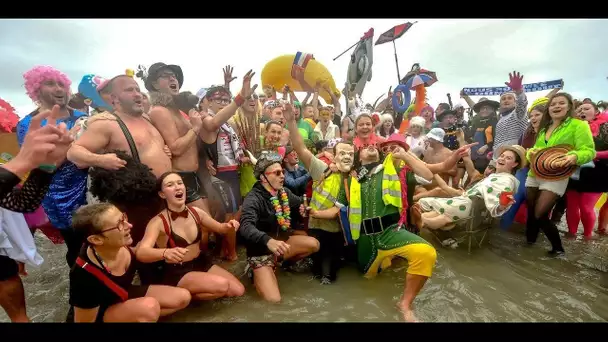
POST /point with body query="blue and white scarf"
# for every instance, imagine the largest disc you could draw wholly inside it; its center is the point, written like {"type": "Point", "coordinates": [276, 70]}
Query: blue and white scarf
{"type": "Point", "coordinates": [528, 88]}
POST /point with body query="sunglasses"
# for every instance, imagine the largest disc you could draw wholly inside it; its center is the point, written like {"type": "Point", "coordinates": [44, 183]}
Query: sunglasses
{"type": "Point", "coordinates": [276, 173]}
{"type": "Point", "coordinates": [121, 226]}
{"type": "Point", "coordinates": [389, 148]}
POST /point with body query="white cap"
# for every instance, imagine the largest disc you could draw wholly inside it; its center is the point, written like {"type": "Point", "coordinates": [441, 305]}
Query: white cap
{"type": "Point", "coordinates": [436, 134]}
{"type": "Point", "coordinates": [457, 106]}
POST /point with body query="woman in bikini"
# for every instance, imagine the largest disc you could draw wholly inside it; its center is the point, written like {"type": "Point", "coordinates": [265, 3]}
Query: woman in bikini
{"type": "Point", "coordinates": [174, 237]}
{"type": "Point", "coordinates": [101, 287]}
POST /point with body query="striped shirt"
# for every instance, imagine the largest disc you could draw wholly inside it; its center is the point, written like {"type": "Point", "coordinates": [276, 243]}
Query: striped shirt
{"type": "Point", "coordinates": [511, 127]}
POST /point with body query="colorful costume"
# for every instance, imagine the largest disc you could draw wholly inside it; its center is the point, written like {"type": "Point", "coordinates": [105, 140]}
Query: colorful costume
{"type": "Point", "coordinates": [460, 207]}
{"type": "Point", "coordinates": [374, 215]}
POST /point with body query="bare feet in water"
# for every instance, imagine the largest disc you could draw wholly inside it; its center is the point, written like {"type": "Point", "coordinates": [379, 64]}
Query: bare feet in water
{"type": "Point", "coordinates": [408, 313]}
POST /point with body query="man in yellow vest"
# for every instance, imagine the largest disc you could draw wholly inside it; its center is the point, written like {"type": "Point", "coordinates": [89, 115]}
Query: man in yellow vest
{"type": "Point", "coordinates": [375, 200]}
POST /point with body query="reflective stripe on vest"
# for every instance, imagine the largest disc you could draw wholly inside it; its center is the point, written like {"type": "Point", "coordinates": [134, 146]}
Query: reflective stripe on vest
{"type": "Point", "coordinates": [325, 194]}
{"type": "Point", "coordinates": [391, 194]}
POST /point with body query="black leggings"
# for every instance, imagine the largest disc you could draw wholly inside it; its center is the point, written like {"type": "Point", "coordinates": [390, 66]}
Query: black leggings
{"type": "Point", "coordinates": [330, 252]}
{"type": "Point", "coordinates": [540, 203]}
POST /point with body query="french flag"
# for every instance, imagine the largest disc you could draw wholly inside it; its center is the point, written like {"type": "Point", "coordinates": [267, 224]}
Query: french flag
{"type": "Point", "coordinates": [300, 60]}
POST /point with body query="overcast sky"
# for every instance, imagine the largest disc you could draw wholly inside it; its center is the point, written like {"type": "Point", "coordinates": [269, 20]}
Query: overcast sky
{"type": "Point", "coordinates": [463, 53]}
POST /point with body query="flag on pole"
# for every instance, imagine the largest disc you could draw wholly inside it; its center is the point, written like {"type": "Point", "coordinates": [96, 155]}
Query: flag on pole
{"type": "Point", "coordinates": [393, 33]}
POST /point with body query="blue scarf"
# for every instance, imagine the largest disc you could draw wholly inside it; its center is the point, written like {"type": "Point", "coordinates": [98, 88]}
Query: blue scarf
{"type": "Point", "coordinates": [528, 88]}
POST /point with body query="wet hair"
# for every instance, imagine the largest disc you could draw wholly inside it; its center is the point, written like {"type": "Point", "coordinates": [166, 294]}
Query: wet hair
{"type": "Point", "coordinates": [321, 144]}
{"type": "Point", "coordinates": [35, 77]}
{"type": "Point", "coordinates": [87, 219]}
{"type": "Point", "coordinates": [134, 183]}
{"type": "Point", "coordinates": [271, 122]}
{"type": "Point", "coordinates": [546, 120]}
{"type": "Point", "coordinates": [161, 179]}
{"type": "Point", "coordinates": [588, 102]}
{"type": "Point", "coordinates": [444, 105]}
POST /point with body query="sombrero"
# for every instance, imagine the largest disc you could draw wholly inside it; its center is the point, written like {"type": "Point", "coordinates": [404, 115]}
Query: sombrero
{"type": "Point", "coordinates": [485, 102]}
{"type": "Point", "coordinates": [543, 163]}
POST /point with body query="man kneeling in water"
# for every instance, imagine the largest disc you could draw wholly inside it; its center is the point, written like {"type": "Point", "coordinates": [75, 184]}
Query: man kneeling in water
{"type": "Point", "coordinates": [101, 287]}
{"type": "Point", "coordinates": [167, 239]}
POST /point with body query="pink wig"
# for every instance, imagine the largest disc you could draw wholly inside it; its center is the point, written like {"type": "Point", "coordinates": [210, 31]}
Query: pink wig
{"type": "Point", "coordinates": [432, 112]}
{"type": "Point", "coordinates": [35, 77]}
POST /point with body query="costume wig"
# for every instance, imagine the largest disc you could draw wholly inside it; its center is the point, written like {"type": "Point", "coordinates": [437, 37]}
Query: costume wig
{"type": "Point", "coordinates": [134, 183]}
{"type": "Point", "coordinates": [35, 77]}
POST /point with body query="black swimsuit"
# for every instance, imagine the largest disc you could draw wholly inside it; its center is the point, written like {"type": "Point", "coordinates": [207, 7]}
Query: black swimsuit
{"type": "Point", "coordinates": [173, 273]}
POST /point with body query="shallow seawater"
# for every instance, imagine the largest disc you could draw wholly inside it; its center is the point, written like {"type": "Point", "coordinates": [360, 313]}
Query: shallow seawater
{"type": "Point", "coordinates": [504, 281]}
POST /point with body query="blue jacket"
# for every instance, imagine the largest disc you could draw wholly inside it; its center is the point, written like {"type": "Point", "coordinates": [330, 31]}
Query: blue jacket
{"type": "Point", "coordinates": [296, 180]}
{"type": "Point", "coordinates": [68, 188]}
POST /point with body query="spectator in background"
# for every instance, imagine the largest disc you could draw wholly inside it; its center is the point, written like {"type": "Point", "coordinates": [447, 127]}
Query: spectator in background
{"type": "Point", "coordinates": [296, 176]}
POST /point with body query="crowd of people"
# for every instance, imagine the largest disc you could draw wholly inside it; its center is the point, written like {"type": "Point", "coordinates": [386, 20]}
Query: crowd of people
{"type": "Point", "coordinates": [145, 187]}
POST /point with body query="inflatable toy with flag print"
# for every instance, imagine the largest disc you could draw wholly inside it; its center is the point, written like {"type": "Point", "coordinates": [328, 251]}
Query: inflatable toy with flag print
{"type": "Point", "coordinates": [89, 88]}
{"type": "Point", "coordinates": [417, 79]}
{"type": "Point", "coordinates": [301, 72]}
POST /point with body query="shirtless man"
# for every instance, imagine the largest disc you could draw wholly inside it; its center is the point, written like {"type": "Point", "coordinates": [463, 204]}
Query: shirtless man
{"type": "Point", "coordinates": [104, 133]}
{"type": "Point", "coordinates": [179, 133]}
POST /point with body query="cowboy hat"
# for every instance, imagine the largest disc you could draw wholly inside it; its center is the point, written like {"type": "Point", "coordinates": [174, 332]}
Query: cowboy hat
{"type": "Point", "coordinates": [520, 151]}
{"type": "Point", "coordinates": [543, 163]}
{"type": "Point", "coordinates": [444, 113]}
{"type": "Point", "coordinates": [485, 102]}
{"type": "Point", "coordinates": [155, 69]}
{"type": "Point", "coordinates": [398, 139]}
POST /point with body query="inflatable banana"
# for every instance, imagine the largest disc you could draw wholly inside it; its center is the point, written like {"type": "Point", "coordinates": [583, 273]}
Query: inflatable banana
{"type": "Point", "coordinates": [279, 72]}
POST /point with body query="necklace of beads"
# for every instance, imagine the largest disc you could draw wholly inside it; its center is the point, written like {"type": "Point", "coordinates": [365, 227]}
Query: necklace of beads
{"type": "Point", "coordinates": [283, 213]}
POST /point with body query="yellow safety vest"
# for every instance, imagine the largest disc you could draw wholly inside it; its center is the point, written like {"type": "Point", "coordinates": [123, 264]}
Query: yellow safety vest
{"type": "Point", "coordinates": [325, 194]}
{"type": "Point", "coordinates": [391, 194]}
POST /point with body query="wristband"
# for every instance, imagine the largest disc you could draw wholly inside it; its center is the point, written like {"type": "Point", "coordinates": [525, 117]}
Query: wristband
{"type": "Point", "coordinates": [50, 168]}
{"type": "Point", "coordinates": [239, 100]}
{"type": "Point", "coordinates": [165, 251]}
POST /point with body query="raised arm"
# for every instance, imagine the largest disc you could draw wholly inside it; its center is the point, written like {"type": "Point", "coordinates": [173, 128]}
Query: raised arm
{"type": "Point", "coordinates": [296, 139]}
{"type": "Point", "coordinates": [417, 165]}
{"type": "Point", "coordinates": [335, 102]}
{"type": "Point", "coordinates": [467, 99]}
{"type": "Point", "coordinates": [212, 124]}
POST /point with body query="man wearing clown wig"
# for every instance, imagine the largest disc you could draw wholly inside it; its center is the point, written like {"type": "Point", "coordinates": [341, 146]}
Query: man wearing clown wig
{"type": "Point", "coordinates": [49, 88]}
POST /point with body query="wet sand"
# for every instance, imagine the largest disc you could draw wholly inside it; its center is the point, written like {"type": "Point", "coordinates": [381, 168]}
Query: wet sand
{"type": "Point", "coordinates": [504, 281]}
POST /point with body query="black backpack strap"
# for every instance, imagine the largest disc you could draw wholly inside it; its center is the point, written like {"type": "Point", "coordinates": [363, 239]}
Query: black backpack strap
{"type": "Point", "coordinates": [129, 138]}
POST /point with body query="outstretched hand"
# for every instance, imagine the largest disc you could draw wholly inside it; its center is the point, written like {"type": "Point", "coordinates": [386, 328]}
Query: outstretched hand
{"type": "Point", "coordinates": [228, 74]}
{"type": "Point", "coordinates": [247, 89]}
{"type": "Point", "coordinates": [515, 81]}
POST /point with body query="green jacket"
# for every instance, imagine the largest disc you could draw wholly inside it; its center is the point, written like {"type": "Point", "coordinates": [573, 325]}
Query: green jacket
{"type": "Point", "coordinates": [571, 132]}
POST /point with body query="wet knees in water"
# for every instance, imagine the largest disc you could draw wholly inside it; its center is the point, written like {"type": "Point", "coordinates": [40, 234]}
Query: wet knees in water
{"type": "Point", "coordinates": [213, 284]}
{"type": "Point", "coordinates": [264, 277]}
{"type": "Point", "coordinates": [540, 203]}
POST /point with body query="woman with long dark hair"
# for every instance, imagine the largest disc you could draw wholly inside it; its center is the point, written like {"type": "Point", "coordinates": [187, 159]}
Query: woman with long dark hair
{"type": "Point", "coordinates": [174, 236]}
{"type": "Point", "coordinates": [557, 128]}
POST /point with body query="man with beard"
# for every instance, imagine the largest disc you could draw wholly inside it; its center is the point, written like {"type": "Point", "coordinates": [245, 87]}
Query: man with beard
{"type": "Point", "coordinates": [127, 129]}
{"type": "Point", "coordinates": [49, 87]}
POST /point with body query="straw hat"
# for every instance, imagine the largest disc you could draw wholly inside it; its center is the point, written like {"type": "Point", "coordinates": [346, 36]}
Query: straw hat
{"type": "Point", "coordinates": [519, 150]}
{"type": "Point", "coordinates": [543, 163]}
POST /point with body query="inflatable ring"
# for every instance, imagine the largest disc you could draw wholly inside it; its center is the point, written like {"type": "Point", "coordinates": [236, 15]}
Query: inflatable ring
{"type": "Point", "coordinates": [278, 72]}
{"type": "Point", "coordinates": [395, 100]}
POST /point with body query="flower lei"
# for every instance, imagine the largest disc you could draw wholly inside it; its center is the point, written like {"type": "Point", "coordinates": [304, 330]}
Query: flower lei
{"type": "Point", "coordinates": [282, 213]}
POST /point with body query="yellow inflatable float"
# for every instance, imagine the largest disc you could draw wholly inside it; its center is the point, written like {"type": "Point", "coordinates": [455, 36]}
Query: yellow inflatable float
{"type": "Point", "coordinates": [281, 71]}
